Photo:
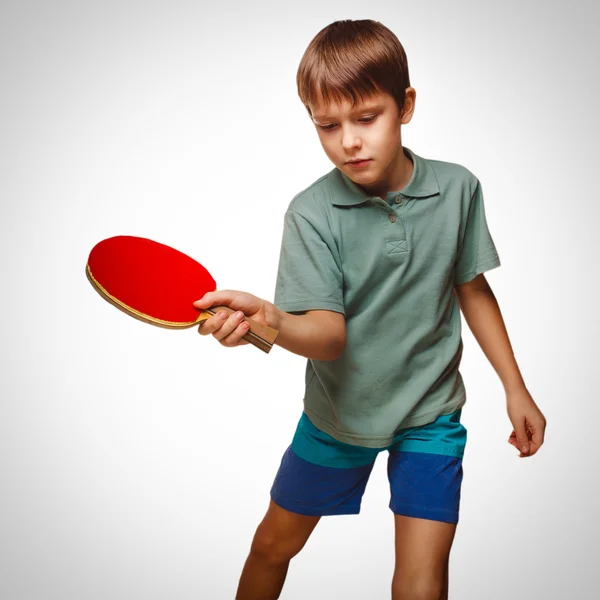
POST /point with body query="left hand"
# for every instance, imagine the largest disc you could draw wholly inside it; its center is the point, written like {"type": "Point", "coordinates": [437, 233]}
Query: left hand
{"type": "Point", "coordinates": [528, 421]}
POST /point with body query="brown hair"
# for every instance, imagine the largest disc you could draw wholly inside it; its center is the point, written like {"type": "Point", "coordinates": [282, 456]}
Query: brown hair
{"type": "Point", "coordinates": [352, 60]}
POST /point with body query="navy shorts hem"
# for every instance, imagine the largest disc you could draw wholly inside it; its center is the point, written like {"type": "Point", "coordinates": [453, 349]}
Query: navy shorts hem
{"type": "Point", "coordinates": [313, 511]}
{"type": "Point", "coordinates": [421, 512]}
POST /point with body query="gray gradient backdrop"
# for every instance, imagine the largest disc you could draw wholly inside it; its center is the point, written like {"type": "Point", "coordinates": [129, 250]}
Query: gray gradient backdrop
{"type": "Point", "coordinates": [136, 462]}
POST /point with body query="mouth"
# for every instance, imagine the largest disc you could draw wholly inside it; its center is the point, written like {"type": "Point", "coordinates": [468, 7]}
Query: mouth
{"type": "Point", "coordinates": [358, 162]}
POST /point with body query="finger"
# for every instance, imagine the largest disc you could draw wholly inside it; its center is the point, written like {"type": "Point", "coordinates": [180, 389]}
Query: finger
{"type": "Point", "coordinates": [512, 439]}
{"type": "Point", "coordinates": [216, 298]}
{"type": "Point", "coordinates": [212, 324]}
{"type": "Point", "coordinates": [522, 439]}
{"type": "Point", "coordinates": [532, 450]}
{"type": "Point", "coordinates": [532, 447]}
{"type": "Point", "coordinates": [232, 322]}
{"type": "Point", "coordinates": [537, 440]}
{"type": "Point", "coordinates": [235, 337]}
{"type": "Point", "coordinates": [538, 433]}
{"type": "Point", "coordinates": [521, 454]}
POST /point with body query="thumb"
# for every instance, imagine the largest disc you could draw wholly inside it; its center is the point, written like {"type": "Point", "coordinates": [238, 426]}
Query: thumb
{"type": "Point", "coordinates": [522, 439]}
{"type": "Point", "coordinates": [216, 298]}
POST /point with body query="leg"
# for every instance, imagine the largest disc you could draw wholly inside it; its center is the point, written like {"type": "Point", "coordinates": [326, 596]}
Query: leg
{"type": "Point", "coordinates": [422, 557]}
{"type": "Point", "coordinates": [279, 537]}
{"type": "Point", "coordinates": [425, 473]}
{"type": "Point", "coordinates": [444, 595]}
{"type": "Point", "coordinates": [318, 476]}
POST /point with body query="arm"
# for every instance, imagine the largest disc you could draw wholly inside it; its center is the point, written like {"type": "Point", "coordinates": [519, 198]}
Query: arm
{"type": "Point", "coordinates": [482, 313]}
{"type": "Point", "coordinates": [315, 334]}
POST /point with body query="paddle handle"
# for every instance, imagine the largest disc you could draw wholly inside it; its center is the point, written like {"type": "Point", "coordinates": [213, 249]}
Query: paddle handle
{"type": "Point", "coordinates": [259, 335]}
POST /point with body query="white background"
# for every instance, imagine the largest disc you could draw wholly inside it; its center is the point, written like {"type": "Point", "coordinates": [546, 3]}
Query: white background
{"type": "Point", "coordinates": [136, 462]}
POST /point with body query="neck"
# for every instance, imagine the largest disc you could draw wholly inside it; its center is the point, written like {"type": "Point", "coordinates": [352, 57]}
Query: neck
{"type": "Point", "coordinates": [395, 178]}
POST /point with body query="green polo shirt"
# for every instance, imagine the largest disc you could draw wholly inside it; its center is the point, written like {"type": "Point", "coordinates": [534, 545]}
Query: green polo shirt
{"type": "Point", "coordinates": [389, 266]}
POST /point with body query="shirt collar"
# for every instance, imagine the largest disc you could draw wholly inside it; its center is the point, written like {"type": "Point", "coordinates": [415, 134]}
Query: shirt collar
{"type": "Point", "coordinates": [423, 184]}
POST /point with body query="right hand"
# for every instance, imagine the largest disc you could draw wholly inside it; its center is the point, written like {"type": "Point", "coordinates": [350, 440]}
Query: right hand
{"type": "Point", "coordinates": [229, 330]}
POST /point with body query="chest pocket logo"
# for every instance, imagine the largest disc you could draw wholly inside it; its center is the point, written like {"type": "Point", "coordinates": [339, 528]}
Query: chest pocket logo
{"type": "Point", "coordinates": [397, 246]}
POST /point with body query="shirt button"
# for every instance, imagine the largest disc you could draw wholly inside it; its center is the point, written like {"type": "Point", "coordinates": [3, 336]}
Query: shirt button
{"type": "Point", "coordinates": [393, 218]}
{"type": "Point", "coordinates": [398, 200]}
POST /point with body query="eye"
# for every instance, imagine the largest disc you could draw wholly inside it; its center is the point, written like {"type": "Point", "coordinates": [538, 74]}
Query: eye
{"type": "Point", "coordinates": [363, 120]}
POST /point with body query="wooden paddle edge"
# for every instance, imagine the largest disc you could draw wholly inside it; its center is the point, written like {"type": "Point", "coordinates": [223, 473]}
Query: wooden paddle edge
{"type": "Point", "coordinates": [130, 311]}
{"type": "Point", "coordinates": [257, 340]}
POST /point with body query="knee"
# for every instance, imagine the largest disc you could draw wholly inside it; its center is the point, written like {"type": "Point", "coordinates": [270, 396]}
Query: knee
{"type": "Point", "coordinates": [274, 548]}
{"type": "Point", "coordinates": [417, 588]}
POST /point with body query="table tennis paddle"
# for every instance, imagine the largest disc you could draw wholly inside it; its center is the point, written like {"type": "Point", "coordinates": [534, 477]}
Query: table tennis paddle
{"type": "Point", "coordinates": [158, 284]}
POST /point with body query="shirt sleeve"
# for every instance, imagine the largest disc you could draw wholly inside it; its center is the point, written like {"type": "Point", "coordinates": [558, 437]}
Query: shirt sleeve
{"type": "Point", "coordinates": [308, 277]}
{"type": "Point", "coordinates": [477, 252]}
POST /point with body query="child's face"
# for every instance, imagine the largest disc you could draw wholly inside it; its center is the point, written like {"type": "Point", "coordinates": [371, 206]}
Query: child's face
{"type": "Point", "coordinates": [370, 131]}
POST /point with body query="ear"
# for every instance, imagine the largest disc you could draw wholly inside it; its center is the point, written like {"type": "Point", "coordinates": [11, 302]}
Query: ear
{"type": "Point", "coordinates": [408, 109]}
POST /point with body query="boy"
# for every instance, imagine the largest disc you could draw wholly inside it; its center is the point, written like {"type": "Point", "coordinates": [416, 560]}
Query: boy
{"type": "Point", "coordinates": [378, 259]}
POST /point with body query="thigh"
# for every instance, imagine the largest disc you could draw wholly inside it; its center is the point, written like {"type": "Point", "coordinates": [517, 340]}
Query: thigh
{"type": "Point", "coordinates": [425, 485]}
{"type": "Point", "coordinates": [320, 476]}
{"type": "Point", "coordinates": [425, 473]}
{"type": "Point", "coordinates": [425, 470]}
{"type": "Point", "coordinates": [422, 556]}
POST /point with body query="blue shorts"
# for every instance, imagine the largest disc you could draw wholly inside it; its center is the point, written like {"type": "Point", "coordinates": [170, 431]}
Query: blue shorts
{"type": "Point", "coordinates": [321, 476]}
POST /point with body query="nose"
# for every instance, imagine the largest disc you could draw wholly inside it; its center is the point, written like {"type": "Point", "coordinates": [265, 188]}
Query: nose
{"type": "Point", "coordinates": [350, 140]}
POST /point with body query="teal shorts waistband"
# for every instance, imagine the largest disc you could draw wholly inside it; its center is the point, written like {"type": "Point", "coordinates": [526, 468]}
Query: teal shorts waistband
{"type": "Point", "coordinates": [446, 436]}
